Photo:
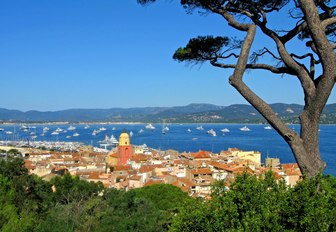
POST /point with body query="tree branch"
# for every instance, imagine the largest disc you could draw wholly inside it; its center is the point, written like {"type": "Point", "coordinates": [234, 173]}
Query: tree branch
{"type": "Point", "coordinates": [280, 70]}
{"type": "Point", "coordinates": [328, 22]}
{"type": "Point", "coordinates": [324, 51]}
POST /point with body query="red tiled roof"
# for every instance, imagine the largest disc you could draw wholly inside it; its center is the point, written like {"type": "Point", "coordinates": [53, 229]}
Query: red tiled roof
{"type": "Point", "coordinates": [201, 155]}
{"type": "Point", "coordinates": [135, 177]}
{"type": "Point", "coordinates": [151, 182]}
{"type": "Point", "coordinates": [146, 168]}
{"type": "Point", "coordinates": [201, 171]}
{"type": "Point", "coordinates": [290, 166]}
{"type": "Point", "coordinates": [139, 158]}
{"type": "Point", "coordinates": [122, 167]}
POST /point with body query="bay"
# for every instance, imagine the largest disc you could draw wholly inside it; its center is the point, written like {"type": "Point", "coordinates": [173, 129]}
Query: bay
{"type": "Point", "coordinates": [268, 142]}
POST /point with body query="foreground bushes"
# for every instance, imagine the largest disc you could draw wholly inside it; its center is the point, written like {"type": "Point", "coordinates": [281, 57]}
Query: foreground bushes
{"type": "Point", "coordinates": [254, 204]}
{"type": "Point", "coordinates": [27, 203]}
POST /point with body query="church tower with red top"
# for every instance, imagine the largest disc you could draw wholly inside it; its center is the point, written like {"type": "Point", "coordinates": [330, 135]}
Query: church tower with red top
{"type": "Point", "coordinates": [124, 149]}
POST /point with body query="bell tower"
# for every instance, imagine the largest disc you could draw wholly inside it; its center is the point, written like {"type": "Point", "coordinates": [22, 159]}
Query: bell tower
{"type": "Point", "coordinates": [124, 148]}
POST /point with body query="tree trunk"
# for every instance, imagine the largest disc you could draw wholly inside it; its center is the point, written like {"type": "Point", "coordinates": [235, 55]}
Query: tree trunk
{"type": "Point", "coordinates": [306, 148]}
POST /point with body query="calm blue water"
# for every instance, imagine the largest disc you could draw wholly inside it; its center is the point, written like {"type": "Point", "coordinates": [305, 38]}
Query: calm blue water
{"type": "Point", "coordinates": [268, 142]}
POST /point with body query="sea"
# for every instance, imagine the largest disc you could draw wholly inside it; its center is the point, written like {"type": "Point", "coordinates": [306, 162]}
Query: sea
{"type": "Point", "coordinates": [180, 137]}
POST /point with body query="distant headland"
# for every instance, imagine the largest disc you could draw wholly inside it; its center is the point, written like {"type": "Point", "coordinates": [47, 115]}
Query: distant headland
{"type": "Point", "coordinates": [192, 113]}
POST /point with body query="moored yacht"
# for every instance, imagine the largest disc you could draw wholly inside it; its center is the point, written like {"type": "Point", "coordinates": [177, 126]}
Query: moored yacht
{"type": "Point", "coordinates": [149, 126]}
{"type": "Point", "coordinates": [212, 132]}
{"type": "Point", "coordinates": [225, 130]}
{"type": "Point", "coordinates": [244, 128]}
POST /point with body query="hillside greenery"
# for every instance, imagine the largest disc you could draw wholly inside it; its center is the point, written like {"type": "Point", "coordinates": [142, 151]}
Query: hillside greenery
{"type": "Point", "coordinates": [28, 203]}
{"type": "Point", "coordinates": [193, 113]}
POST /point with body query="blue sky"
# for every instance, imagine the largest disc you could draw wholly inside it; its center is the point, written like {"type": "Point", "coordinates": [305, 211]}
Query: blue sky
{"type": "Point", "coordinates": [66, 54]}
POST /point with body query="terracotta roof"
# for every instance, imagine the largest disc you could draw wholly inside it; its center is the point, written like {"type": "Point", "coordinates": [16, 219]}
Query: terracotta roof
{"type": "Point", "coordinates": [151, 182]}
{"type": "Point", "coordinates": [239, 170]}
{"type": "Point", "coordinates": [293, 172]}
{"type": "Point", "coordinates": [139, 158]}
{"type": "Point", "coordinates": [290, 166]}
{"type": "Point", "coordinates": [135, 177]}
{"type": "Point", "coordinates": [122, 167]}
{"type": "Point", "coordinates": [201, 171]}
{"type": "Point", "coordinates": [146, 168]}
{"type": "Point", "coordinates": [180, 161]}
{"type": "Point", "coordinates": [186, 182]}
{"type": "Point", "coordinates": [201, 155]}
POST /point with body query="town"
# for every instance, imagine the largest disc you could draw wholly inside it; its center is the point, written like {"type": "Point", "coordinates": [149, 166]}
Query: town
{"type": "Point", "coordinates": [127, 166]}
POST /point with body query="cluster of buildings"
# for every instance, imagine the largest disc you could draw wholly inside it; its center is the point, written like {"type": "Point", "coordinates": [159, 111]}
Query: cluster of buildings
{"type": "Point", "coordinates": [128, 167]}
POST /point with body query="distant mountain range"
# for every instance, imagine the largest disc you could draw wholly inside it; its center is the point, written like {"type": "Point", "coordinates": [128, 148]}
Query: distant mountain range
{"type": "Point", "coordinates": [193, 113]}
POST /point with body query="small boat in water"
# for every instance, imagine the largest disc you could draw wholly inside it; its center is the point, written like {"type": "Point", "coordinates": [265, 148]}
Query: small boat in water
{"type": "Point", "coordinates": [199, 128]}
{"type": "Point", "coordinates": [225, 130]}
{"type": "Point", "coordinates": [212, 132]}
{"type": "Point", "coordinates": [268, 128]}
{"type": "Point", "coordinates": [149, 126]}
{"type": "Point", "coordinates": [244, 128]}
{"type": "Point", "coordinates": [70, 128]}
{"type": "Point", "coordinates": [75, 135]}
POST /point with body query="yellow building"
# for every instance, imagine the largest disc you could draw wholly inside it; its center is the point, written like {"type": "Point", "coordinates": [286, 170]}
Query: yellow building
{"type": "Point", "coordinates": [254, 156]}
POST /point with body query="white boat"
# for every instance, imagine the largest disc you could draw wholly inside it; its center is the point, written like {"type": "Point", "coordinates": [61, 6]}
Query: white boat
{"type": "Point", "coordinates": [141, 131]}
{"type": "Point", "coordinates": [59, 130]}
{"type": "Point", "coordinates": [54, 133]}
{"type": "Point", "coordinates": [9, 132]}
{"type": "Point", "coordinates": [45, 129]}
{"type": "Point", "coordinates": [189, 130]}
{"type": "Point", "coordinates": [149, 126]}
{"type": "Point", "coordinates": [268, 128]}
{"type": "Point", "coordinates": [131, 133]}
{"type": "Point", "coordinates": [34, 137]}
{"type": "Point", "coordinates": [102, 129]}
{"type": "Point", "coordinates": [75, 135]}
{"type": "Point", "coordinates": [225, 130]}
{"type": "Point", "coordinates": [86, 126]}
{"type": "Point", "coordinates": [95, 132]}
{"type": "Point", "coordinates": [70, 128]}
{"type": "Point", "coordinates": [109, 141]}
{"type": "Point", "coordinates": [212, 132]}
{"type": "Point", "coordinates": [68, 137]}
{"type": "Point", "coordinates": [24, 128]}
{"type": "Point", "coordinates": [199, 128]}
{"type": "Point", "coordinates": [165, 130]}
{"type": "Point", "coordinates": [244, 128]}
{"type": "Point", "coordinates": [113, 128]}
{"type": "Point", "coordinates": [113, 140]}
{"type": "Point", "coordinates": [2, 129]}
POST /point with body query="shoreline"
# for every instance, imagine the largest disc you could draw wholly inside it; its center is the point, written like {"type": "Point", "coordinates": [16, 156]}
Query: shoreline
{"type": "Point", "coordinates": [138, 123]}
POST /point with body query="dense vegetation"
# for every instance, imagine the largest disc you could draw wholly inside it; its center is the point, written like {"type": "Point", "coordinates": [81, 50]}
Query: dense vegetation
{"type": "Point", "coordinates": [28, 203]}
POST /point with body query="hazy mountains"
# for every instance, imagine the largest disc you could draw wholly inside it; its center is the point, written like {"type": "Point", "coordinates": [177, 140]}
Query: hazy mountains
{"type": "Point", "coordinates": [193, 113]}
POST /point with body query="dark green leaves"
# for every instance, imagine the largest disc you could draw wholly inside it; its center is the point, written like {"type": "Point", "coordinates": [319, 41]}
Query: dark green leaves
{"type": "Point", "coordinates": [201, 49]}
